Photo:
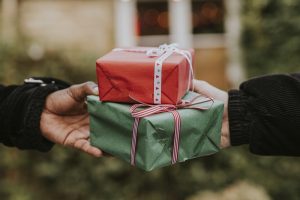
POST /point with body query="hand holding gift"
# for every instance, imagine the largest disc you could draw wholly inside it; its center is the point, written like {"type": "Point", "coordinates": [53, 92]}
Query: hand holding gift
{"type": "Point", "coordinates": [168, 125]}
{"type": "Point", "coordinates": [65, 119]}
{"type": "Point", "coordinates": [205, 88]}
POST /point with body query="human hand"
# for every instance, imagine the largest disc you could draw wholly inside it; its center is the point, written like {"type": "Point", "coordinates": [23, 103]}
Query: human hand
{"type": "Point", "coordinates": [205, 88]}
{"type": "Point", "coordinates": [65, 119]}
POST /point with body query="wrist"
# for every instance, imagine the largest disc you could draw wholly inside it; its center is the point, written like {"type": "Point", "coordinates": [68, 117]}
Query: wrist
{"type": "Point", "coordinates": [225, 133]}
{"type": "Point", "coordinates": [225, 136]}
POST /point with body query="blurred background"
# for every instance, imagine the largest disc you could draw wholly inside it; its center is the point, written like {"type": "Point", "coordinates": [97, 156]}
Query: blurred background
{"type": "Point", "coordinates": [234, 40]}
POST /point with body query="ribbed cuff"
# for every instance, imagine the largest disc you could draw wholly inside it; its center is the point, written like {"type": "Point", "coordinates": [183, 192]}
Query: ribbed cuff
{"type": "Point", "coordinates": [34, 138]}
{"type": "Point", "coordinates": [30, 136]}
{"type": "Point", "coordinates": [238, 123]}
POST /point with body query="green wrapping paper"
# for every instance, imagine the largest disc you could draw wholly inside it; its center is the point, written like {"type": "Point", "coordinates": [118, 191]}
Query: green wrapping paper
{"type": "Point", "coordinates": [111, 130]}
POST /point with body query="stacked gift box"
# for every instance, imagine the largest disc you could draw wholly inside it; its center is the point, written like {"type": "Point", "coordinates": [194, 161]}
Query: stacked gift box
{"type": "Point", "coordinates": [146, 114]}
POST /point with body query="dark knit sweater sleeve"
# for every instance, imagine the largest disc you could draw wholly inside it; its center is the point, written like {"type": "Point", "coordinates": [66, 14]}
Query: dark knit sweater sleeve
{"type": "Point", "coordinates": [20, 112]}
{"type": "Point", "coordinates": [265, 113]}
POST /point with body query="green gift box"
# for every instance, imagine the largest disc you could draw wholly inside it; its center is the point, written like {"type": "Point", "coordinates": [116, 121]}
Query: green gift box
{"type": "Point", "coordinates": [111, 127]}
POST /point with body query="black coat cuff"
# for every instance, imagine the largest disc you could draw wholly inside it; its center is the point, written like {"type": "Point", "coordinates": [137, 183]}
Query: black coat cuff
{"type": "Point", "coordinates": [30, 136]}
{"type": "Point", "coordinates": [21, 114]}
{"type": "Point", "coordinates": [238, 118]}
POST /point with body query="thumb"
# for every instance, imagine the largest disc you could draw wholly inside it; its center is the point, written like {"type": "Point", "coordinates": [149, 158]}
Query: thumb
{"type": "Point", "coordinates": [80, 91]}
{"type": "Point", "coordinates": [207, 89]}
{"type": "Point", "coordinates": [203, 87]}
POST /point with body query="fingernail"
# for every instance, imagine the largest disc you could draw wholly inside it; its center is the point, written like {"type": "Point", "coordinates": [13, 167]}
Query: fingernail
{"type": "Point", "coordinates": [96, 90]}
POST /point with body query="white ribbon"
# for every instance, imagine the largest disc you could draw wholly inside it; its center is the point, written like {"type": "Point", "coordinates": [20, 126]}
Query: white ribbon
{"type": "Point", "coordinates": [163, 52]}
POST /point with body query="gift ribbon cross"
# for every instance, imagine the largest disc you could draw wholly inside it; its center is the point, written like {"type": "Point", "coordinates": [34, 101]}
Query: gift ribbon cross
{"type": "Point", "coordinates": [156, 109]}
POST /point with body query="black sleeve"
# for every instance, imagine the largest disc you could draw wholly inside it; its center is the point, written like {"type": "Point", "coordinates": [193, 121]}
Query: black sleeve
{"type": "Point", "coordinates": [20, 111]}
{"type": "Point", "coordinates": [265, 113]}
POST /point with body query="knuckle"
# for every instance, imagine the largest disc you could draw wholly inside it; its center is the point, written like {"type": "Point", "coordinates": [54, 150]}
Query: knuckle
{"type": "Point", "coordinates": [89, 84]}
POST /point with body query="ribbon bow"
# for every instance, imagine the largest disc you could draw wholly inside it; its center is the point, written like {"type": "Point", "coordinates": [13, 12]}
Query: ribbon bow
{"type": "Point", "coordinates": [155, 109]}
{"type": "Point", "coordinates": [161, 49]}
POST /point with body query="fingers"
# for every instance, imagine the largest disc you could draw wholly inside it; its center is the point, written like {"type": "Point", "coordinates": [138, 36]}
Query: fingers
{"type": "Point", "coordinates": [85, 146]}
{"type": "Point", "coordinates": [80, 91]}
{"type": "Point", "coordinates": [75, 136]}
{"type": "Point", "coordinates": [79, 139]}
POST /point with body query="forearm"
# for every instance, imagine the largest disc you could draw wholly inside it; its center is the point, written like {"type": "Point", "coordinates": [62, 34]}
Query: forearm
{"type": "Point", "coordinates": [20, 111]}
{"type": "Point", "coordinates": [265, 113]}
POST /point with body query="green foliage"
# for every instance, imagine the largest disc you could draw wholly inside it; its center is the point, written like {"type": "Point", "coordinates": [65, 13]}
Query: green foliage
{"type": "Point", "coordinates": [68, 174]}
{"type": "Point", "coordinates": [271, 36]}
{"type": "Point", "coordinates": [271, 44]}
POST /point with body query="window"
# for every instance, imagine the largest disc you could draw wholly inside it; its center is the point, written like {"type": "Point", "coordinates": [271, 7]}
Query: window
{"type": "Point", "coordinates": [153, 17]}
{"type": "Point", "coordinates": [208, 16]}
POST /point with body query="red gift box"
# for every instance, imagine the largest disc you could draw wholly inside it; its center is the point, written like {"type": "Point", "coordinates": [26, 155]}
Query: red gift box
{"type": "Point", "coordinates": [130, 75]}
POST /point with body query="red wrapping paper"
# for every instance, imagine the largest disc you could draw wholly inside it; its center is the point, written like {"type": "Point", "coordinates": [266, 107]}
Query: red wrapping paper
{"type": "Point", "coordinates": [128, 76]}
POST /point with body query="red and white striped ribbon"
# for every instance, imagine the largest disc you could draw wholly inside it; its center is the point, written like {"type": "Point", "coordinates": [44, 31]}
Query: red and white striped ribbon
{"type": "Point", "coordinates": [133, 140]}
{"type": "Point", "coordinates": [177, 126]}
{"type": "Point", "coordinates": [155, 109]}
